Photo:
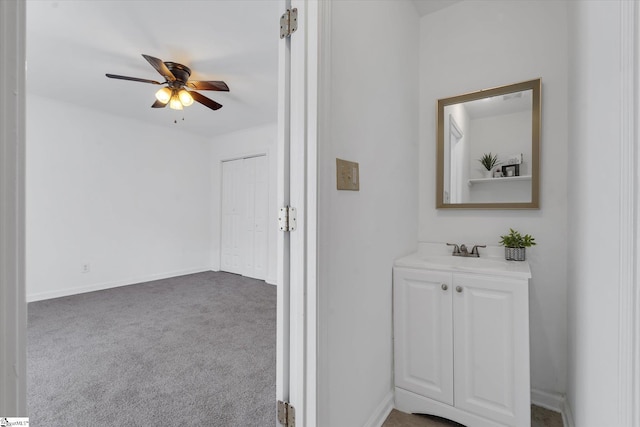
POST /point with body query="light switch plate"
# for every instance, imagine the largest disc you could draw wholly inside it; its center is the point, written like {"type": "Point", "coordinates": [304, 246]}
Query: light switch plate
{"type": "Point", "coordinates": [348, 175]}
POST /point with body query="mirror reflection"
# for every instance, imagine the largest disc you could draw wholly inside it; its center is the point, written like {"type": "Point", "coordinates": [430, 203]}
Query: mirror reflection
{"type": "Point", "coordinates": [488, 144]}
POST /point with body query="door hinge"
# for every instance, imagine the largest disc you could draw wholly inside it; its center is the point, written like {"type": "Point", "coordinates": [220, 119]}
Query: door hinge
{"type": "Point", "coordinates": [287, 218]}
{"type": "Point", "coordinates": [288, 23]}
{"type": "Point", "coordinates": [286, 414]}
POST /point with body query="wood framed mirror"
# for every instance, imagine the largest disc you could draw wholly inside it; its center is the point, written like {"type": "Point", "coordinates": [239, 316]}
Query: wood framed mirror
{"type": "Point", "coordinates": [498, 128]}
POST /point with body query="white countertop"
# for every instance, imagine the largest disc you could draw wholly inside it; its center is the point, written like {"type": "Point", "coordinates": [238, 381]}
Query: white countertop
{"type": "Point", "coordinates": [488, 265]}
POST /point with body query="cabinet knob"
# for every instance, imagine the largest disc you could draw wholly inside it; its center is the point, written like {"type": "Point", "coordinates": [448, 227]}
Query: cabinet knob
{"type": "Point", "coordinates": [444, 287]}
{"type": "Point", "coordinates": [458, 289]}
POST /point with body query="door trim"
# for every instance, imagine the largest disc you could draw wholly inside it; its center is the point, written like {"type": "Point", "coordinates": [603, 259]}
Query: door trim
{"type": "Point", "coordinates": [304, 112]}
{"type": "Point", "coordinates": [283, 340]}
{"type": "Point", "coordinates": [629, 312]}
{"type": "Point", "coordinates": [13, 305]}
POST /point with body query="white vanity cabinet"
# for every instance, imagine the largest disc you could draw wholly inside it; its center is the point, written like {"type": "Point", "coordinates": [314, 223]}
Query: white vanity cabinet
{"type": "Point", "coordinates": [461, 341]}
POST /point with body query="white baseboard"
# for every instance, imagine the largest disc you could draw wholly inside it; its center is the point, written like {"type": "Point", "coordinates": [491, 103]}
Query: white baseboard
{"type": "Point", "coordinates": [382, 412]}
{"type": "Point", "coordinates": [112, 284]}
{"type": "Point", "coordinates": [554, 401]}
{"type": "Point", "coordinates": [268, 280]}
{"type": "Point", "coordinates": [547, 400]}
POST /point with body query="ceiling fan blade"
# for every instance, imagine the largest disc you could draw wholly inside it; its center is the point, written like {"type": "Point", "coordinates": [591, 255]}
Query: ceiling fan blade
{"type": "Point", "coordinates": [205, 101]}
{"type": "Point", "coordinates": [133, 79]}
{"type": "Point", "coordinates": [159, 104]}
{"type": "Point", "coordinates": [160, 67]}
{"type": "Point", "coordinates": [213, 85]}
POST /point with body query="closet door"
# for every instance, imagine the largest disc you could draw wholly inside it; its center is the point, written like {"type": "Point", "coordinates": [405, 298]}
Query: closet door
{"type": "Point", "coordinates": [230, 239]}
{"type": "Point", "coordinates": [254, 237]}
{"type": "Point", "coordinates": [245, 206]}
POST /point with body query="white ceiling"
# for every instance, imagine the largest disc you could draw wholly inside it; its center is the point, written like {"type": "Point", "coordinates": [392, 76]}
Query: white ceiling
{"type": "Point", "coordinates": [499, 105]}
{"type": "Point", "coordinates": [429, 6]}
{"type": "Point", "coordinates": [71, 44]}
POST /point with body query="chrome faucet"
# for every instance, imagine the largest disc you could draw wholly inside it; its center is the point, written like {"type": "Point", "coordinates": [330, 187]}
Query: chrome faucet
{"type": "Point", "coordinates": [462, 250]}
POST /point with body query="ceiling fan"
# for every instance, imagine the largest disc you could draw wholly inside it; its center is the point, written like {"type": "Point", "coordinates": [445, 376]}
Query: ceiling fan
{"type": "Point", "coordinates": [179, 90]}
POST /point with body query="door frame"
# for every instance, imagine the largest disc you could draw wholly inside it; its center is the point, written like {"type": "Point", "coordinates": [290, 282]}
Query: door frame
{"type": "Point", "coordinates": [629, 295]}
{"type": "Point", "coordinates": [299, 384]}
{"type": "Point", "coordinates": [297, 187]}
{"type": "Point", "coordinates": [13, 303]}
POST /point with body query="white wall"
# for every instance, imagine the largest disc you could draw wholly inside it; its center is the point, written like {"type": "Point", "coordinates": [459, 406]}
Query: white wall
{"type": "Point", "coordinates": [474, 45]}
{"type": "Point", "coordinates": [129, 198]}
{"type": "Point", "coordinates": [594, 210]}
{"type": "Point", "coordinates": [513, 137]}
{"type": "Point", "coordinates": [245, 143]}
{"type": "Point", "coordinates": [372, 119]}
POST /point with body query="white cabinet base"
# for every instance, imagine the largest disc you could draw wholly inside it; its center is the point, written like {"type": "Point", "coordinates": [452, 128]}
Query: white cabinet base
{"type": "Point", "coordinates": [412, 403]}
{"type": "Point", "coordinates": [461, 340]}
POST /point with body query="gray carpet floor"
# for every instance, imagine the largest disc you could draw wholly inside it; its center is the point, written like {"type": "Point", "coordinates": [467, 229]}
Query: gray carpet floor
{"type": "Point", "coordinates": [196, 350]}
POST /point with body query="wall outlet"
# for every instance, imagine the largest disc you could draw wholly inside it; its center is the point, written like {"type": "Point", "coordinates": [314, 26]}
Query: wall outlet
{"type": "Point", "coordinates": [347, 175]}
{"type": "Point", "coordinates": [85, 268]}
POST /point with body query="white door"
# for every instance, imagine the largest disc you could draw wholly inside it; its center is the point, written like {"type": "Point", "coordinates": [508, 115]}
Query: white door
{"type": "Point", "coordinates": [297, 183]}
{"type": "Point", "coordinates": [245, 207]}
{"type": "Point", "coordinates": [491, 323]}
{"type": "Point", "coordinates": [255, 211]}
{"type": "Point", "coordinates": [423, 333]}
{"type": "Point", "coordinates": [230, 235]}
{"type": "Point", "coordinates": [260, 218]}
{"type": "Point", "coordinates": [456, 159]}
{"type": "Point", "coordinates": [284, 347]}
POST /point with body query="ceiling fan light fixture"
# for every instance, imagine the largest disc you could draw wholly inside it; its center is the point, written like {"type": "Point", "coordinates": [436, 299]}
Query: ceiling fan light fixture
{"type": "Point", "coordinates": [185, 98]}
{"type": "Point", "coordinates": [176, 78]}
{"type": "Point", "coordinates": [175, 103]}
{"type": "Point", "coordinates": [163, 95]}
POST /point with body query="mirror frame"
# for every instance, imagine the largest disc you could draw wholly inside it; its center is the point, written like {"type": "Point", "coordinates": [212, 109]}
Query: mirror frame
{"type": "Point", "coordinates": [535, 86]}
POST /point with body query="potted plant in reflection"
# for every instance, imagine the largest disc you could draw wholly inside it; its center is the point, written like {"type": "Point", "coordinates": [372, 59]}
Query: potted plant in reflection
{"type": "Point", "coordinates": [515, 245]}
{"type": "Point", "coordinates": [489, 162]}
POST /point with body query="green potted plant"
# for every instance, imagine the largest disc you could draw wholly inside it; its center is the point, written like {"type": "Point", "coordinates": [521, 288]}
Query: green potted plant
{"type": "Point", "coordinates": [515, 245]}
{"type": "Point", "coordinates": [489, 161]}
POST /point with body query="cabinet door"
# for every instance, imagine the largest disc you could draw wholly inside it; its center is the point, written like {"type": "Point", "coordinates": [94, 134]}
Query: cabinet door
{"type": "Point", "coordinates": [491, 361]}
{"type": "Point", "coordinates": [423, 338]}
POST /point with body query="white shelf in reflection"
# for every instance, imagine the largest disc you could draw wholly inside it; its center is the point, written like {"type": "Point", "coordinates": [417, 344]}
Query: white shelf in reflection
{"type": "Point", "coordinates": [496, 180]}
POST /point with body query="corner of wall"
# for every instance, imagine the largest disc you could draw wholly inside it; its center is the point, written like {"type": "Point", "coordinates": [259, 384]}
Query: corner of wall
{"type": "Point", "coordinates": [567, 415]}
{"type": "Point", "coordinates": [556, 402]}
{"type": "Point", "coordinates": [381, 412]}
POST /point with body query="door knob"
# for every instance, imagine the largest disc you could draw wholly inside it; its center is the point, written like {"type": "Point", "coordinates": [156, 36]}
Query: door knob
{"type": "Point", "coordinates": [458, 289]}
{"type": "Point", "coordinates": [444, 287]}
